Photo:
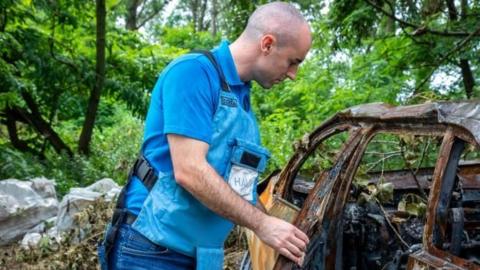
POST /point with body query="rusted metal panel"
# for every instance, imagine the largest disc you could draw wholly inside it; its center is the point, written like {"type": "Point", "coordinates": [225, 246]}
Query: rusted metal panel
{"type": "Point", "coordinates": [436, 187]}
{"type": "Point", "coordinates": [438, 260]}
{"type": "Point", "coordinates": [463, 114]}
{"type": "Point", "coordinates": [263, 256]}
{"type": "Point", "coordinates": [303, 149]}
{"type": "Point", "coordinates": [424, 260]}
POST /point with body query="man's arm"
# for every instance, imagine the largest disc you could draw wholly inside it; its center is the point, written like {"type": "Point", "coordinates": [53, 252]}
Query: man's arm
{"type": "Point", "coordinates": [194, 173]}
{"type": "Point", "coordinates": [260, 206]}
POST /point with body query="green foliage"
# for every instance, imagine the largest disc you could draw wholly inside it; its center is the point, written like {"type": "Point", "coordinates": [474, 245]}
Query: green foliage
{"type": "Point", "coordinates": [352, 20]}
{"type": "Point", "coordinates": [114, 149]}
{"type": "Point", "coordinates": [323, 156]}
{"type": "Point", "coordinates": [186, 38]}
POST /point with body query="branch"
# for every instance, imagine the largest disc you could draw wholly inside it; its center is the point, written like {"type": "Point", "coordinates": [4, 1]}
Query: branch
{"type": "Point", "coordinates": [142, 8]}
{"type": "Point", "coordinates": [452, 51]}
{"type": "Point", "coordinates": [52, 43]}
{"type": "Point", "coordinates": [419, 28]}
{"type": "Point", "coordinates": [380, 161]}
{"type": "Point", "coordinates": [412, 37]}
{"type": "Point", "coordinates": [35, 119]}
{"type": "Point", "coordinates": [424, 152]}
{"type": "Point", "coordinates": [13, 135]}
{"type": "Point", "coordinates": [148, 18]}
{"type": "Point", "coordinates": [387, 219]}
{"type": "Point", "coordinates": [414, 175]}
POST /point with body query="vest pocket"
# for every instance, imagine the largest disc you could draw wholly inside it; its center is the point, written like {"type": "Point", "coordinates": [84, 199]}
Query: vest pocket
{"type": "Point", "coordinates": [247, 161]}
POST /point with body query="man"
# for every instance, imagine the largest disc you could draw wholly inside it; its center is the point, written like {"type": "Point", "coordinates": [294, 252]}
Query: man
{"type": "Point", "coordinates": [202, 153]}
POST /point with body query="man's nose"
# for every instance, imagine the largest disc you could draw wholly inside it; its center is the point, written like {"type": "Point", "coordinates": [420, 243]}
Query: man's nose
{"type": "Point", "coordinates": [292, 72]}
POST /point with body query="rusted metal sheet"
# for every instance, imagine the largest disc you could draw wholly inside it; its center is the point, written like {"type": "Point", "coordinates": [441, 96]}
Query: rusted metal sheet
{"type": "Point", "coordinates": [423, 260]}
{"type": "Point", "coordinates": [264, 257]}
{"type": "Point", "coordinates": [463, 114]}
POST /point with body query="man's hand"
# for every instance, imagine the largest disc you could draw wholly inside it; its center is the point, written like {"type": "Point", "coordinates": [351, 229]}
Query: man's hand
{"type": "Point", "coordinates": [284, 237]}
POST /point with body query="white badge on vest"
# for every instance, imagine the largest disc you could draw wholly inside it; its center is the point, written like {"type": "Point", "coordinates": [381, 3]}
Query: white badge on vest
{"type": "Point", "coordinates": [242, 180]}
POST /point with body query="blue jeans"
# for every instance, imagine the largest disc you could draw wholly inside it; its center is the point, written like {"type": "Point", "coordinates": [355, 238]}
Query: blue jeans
{"type": "Point", "coordinates": [134, 251]}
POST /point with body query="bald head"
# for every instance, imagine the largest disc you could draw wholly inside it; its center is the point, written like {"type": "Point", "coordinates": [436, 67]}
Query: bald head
{"type": "Point", "coordinates": [279, 19]}
{"type": "Point", "coordinates": [272, 46]}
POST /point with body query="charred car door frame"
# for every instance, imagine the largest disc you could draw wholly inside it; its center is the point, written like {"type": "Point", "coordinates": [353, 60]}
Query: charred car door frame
{"type": "Point", "coordinates": [435, 227]}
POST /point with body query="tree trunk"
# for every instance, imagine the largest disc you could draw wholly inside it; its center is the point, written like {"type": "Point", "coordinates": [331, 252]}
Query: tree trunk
{"type": "Point", "coordinates": [467, 75]}
{"type": "Point", "coordinates": [201, 18]}
{"type": "Point", "coordinates": [214, 13]}
{"type": "Point", "coordinates": [194, 9]}
{"type": "Point", "coordinates": [464, 8]}
{"type": "Point", "coordinates": [452, 11]}
{"type": "Point", "coordinates": [86, 135]}
{"type": "Point", "coordinates": [131, 20]}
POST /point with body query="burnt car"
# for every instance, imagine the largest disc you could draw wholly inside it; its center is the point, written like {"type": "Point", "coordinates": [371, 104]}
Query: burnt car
{"type": "Point", "coordinates": [381, 187]}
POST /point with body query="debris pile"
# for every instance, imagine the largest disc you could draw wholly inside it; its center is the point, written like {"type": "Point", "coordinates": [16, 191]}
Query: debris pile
{"type": "Point", "coordinates": [65, 236]}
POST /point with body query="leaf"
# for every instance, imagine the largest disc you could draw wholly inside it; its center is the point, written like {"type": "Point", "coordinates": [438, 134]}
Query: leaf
{"type": "Point", "coordinates": [412, 204]}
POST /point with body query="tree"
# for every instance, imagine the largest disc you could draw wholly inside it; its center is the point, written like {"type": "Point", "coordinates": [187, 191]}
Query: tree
{"type": "Point", "coordinates": [94, 100]}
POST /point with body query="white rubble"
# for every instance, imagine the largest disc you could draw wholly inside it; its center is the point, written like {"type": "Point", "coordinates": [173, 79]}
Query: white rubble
{"type": "Point", "coordinates": [29, 209]}
{"type": "Point", "coordinates": [23, 205]}
{"type": "Point", "coordinates": [44, 225]}
{"type": "Point", "coordinates": [79, 198]}
{"type": "Point", "coordinates": [31, 240]}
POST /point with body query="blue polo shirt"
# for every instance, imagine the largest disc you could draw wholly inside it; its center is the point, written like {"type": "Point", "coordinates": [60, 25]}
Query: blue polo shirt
{"type": "Point", "coordinates": [183, 102]}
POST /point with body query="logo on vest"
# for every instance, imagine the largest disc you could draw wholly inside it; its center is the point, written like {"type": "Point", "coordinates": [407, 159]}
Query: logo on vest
{"type": "Point", "coordinates": [227, 101]}
{"type": "Point", "coordinates": [242, 180]}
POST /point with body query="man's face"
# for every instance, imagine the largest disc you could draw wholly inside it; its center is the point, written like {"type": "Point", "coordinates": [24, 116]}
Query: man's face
{"type": "Point", "coordinates": [281, 62]}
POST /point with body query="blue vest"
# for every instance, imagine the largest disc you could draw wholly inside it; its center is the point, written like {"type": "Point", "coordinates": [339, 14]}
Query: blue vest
{"type": "Point", "coordinates": [173, 218]}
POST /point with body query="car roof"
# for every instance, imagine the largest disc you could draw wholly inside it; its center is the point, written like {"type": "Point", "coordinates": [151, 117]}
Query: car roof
{"type": "Point", "coordinates": [465, 114]}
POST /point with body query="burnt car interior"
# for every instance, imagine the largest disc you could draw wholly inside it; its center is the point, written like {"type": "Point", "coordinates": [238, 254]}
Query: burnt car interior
{"type": "Point", "coordinates": [382, 187]}
{"type": "Point", "coordinates": [385, 212]}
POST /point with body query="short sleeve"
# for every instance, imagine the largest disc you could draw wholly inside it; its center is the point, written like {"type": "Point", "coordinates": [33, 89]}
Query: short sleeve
{"type": "Point", "coordinates": [188, 101]}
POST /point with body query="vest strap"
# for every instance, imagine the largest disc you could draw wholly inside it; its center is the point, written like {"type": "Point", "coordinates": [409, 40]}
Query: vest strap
{"type": "Point", "coordinates": [146, 174]}
{"type": "Point", "coordinates": [209, 55]}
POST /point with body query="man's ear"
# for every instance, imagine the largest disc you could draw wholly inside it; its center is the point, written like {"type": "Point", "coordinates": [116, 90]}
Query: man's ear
{"type": "Point", "coordinates": [266, 43]}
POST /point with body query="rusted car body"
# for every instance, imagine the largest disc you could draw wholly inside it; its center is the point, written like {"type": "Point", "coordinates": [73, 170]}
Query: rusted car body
{"type": "Point", "coordinates": [344, 231]}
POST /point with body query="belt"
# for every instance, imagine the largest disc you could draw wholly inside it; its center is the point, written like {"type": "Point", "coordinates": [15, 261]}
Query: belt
{"type": "Point", "coordinates": [130, 218]}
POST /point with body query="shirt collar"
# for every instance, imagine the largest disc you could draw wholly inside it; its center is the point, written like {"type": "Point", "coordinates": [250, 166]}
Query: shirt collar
{"type": "Point", "coordinates": [225, 59]}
